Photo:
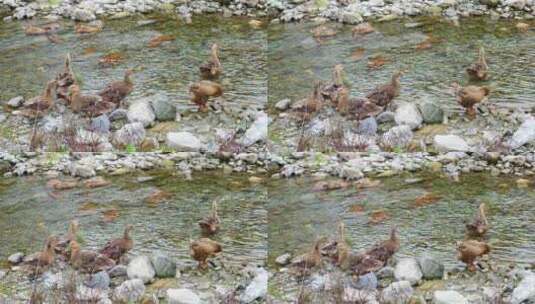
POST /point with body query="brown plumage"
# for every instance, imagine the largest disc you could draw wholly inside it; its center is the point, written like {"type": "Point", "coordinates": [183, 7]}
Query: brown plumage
{"type": "Point", "coordinates": [469, 250]}
{"type": "Point", "coordinates": [201, 91]}
{"type": "Point", "coordinates": [469, 96]}
{"type": "Point", "coordinates": [479, 70]}
{"type": "Point", "coordinates": [39, 105]}
{"type": "Point", "coordinates": [479, 226]}
{"type": "Point", "coordinates": [89, 105]}
{"type": "Point", "coordinates": [116, 91]}
{"type": "Point", "coordinates": [357, 108]}
{"type": "Point", "coordinates": [210, 224]}
{"type": "Point", "coordinates": [212, 69]}
{"type": "Point", "coordinates": [310, 259]}
{"type": "Point", "coordinates": [43, 259]}
{"type": "Point", "coordinates": [63, 243]}
{"type": "Point", "coordinates": [88, 261]}
{"type": "Point", "coordinates": [310, 105]}
{"type": "Point", "coordinates": [336, 88]}
{"type": "Point", "coordinates": [203, 249]}
{"type": "Point", "coordinates": [342, 248]}
{"type": "Point", "coordinates": [32, 30]}
{"type": "Point", "coordinates": [95, 27]}
{"type": "Point", "coordinates": [383, 95]}
{"type": "Point", "coordinates": [65, 79]}
{"type": "Point", "coordinates": [116, 248]}
{"type": "Point", "coordinates": [376, 257]}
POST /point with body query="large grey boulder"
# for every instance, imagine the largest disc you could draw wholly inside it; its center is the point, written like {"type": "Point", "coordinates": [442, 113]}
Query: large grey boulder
{"type": "Point", "coordinates": [431, 267]}
{"type": "Point", "coordinates": [408, 114]}
{"type": "Point", "coordinates": [141, 268]}
{"type": "Point", "coordinates": [407, 269]}
{"type": "Point", "coordinates": [163, 107]}
{"type": "Point", "coordinates": [130, 134]}
{"type": "Point", "coordinates": [163, 265]}
{"type": "Point", "coordinates": [129, 291]}
{"type": "Point", "coordinates": [431, 112]}
{"type": "Point", "coordinates": [258, 287]}
{"type": "Point", "coordinates": [524, 134]}
{"type": "Point", "coordinates": [142, 112]}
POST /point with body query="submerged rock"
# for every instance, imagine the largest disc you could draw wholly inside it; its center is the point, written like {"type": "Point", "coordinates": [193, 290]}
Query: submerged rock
{"type": "Point", "coordinates": [450, 143]}
{"type": "Point", "coordinates": [283, 104]}
{"type": "Point", "coordinates": [182, 296]}
{"type": "Point", "coordinates": [448, 297]}
{"type": "Point", "coordinates": [183, 142]}
{"type": "Point", "coordinates": [257, 289]}
{"type": "Point", "coordinates": [407, 269]}
{"type": "Point", "coordinates": [129, 291]}
{"type": "Point", "coordinates": [397, 137]}
{"type": "Point", "coordinates": [141, 268]}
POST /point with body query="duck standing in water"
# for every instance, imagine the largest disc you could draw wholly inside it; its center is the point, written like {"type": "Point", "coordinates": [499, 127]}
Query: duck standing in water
{"type": "Point", "coordinates": [63, 243]}
{"type": "Point", "coordinates": [310, 259]}
{"type": "Point", "coordinates": [212, 69]}
{"type": "Point", "coordinates": [305, 108]}
{"type": "Point", "coordinates": [469, 250]}
{"type": "Point", "coordinates": [468, 97]}
{"type": "Point", "coordinates": [116, 91]}
{"type": "Point", "coordinates": [383, 95]}
{"type": "Point", "coordinates": [89, 105]}
{"type": "Point", "coordinates": [336, 88]}
{"type": "Point", "coordinates": [88, 261]}
{"type": "Point", "coordinates": [65, 79]}
{"type": "Point", "coordinates": [203, 249]}
{"type": "Point", "coordinates": [201, 91]}
{"type": "Point", "coordinates": [210, 224]}
{"type": "Point", "coordinates": [480, 225]}
{"type": "Point", "coordinates": [377, 257]}
{"type": "Point", "coordinates": [39, 105]}
{"type": "Point", "coordinates": [116, 248]}
{"type": "Point", "coordinates": [479, 70]}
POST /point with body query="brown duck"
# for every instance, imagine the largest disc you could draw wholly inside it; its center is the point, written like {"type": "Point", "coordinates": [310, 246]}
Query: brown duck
{"type": "Point", "coordinates": [65, 79]}
{"type": "Point", "coordinates": [88, 261]}
{"type": "Point", "coordinates": [469, 250]}
{"type": "Point", "coordinates": [116, 248]}
{"type": "Point", "coordinates": [357, 108]}
{"type": "Point", "coordinates": [383, 95]}
{"type": "Point", "coordinates": [38, 105]}
{"type": "Point", "coordinates": [342, 248]}
{"type": "Point", "coordinates": [63, 243]}
{"type": "Point", "coordinates": [212, 69]}
{"type": "Point", "coordinates": [116, 91]}
{"type": "Point", "coordinates": [310, 259]}
{"type": "Point", "coordinates": [89, 105]}
{"type": "Point", "coordinates": [41, 260]}
{"type": "Point", "coordinates": [376, 257]}
{"type": "Point", "coordinates": [201, 91]}
{"type": "Point", "coordinates": [210, 224]}
{"type": "Point", "coordinates": [469, 96]}
{"type": "Point", "coordinates": [336, 88]}
{"type": "Point", "coordinates": [479, 70]}
{"type": "Point", "coordinates": [310, 105]}
{"type": "Point", "coordinates": [480, 225]}
{"type": "Point", "coordinates": [203, 249]}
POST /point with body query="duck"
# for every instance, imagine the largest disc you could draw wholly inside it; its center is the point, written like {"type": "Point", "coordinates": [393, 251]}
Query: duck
{"type": "Point", "coordinates": [210, 224]}
{"type": "Point", "coordinates": [469, 250]}
{"type": "Point", "coordinates": [89, 105]}
{"type": "Point", "coordinates": [480, 225]}
{"type": "Point", "coordinates": [39, 105]}
{"type": "Point", "coordinates": [469, 96]}
{"type": "Point", "coordinates": [87, 260]}
{"type": "Point", "coordinates": [91, 28]}
{"type": "Point", "coordinates": [383, 95]}
{"type": "Point", "coordinates": [310, 259]}
{"type": "Point", "coordinates": [63, 243]}
{"type": "Point", "coordinates": [310, 105]}
{"type": "Point", "coordinates": [116, 248]}
{"type": "Point", "coordinates": [333, 90]}
{"type": "Point", "coordinates": [201, 91]}
{"type": "Point", "coordinates": [65, 79]}
{"type": "Point", "coordinates": [32, 30]}
{"type": "Point", "coordinates": [479, 69]}
{"type": "Point", "coordinates": [43, 259]}
{"type": "Point", "coordinates": [212, 69]}
{"type": "Point", "coordinates": [342, 248]}
{"type": "Point", "coordinates": [116, 91]}
{"type": "Point", "coordinates": [358, 108]}
{"type": "Point", "coordinates": [376, 257]}
{"type": "Point", "coordinates": [202, 249]}
{"type": "Point", "coordinates": [362, 29]}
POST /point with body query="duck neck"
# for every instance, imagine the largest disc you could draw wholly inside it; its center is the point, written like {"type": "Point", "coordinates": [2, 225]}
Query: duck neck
{"type": "Point", "coordinates": [126, 235]}
{"type": "Point", "coordinates": [128, 79]}
{"type": "Point", "coordinates": [393, 235]}
{"type": "Point", "coordinates": [215, 56]}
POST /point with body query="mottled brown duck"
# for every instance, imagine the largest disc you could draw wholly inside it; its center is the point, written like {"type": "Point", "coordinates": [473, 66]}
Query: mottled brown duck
{"type": "Point", "coordinates": [116, 248]}
{"type": "Point", "coordinates": [383, 95]}
{"type": "Point", "coordinates": [212, 69]}
{"type": "Point", "coordinates": [210, 224]}
{"type": "Point", "coordinates": [87, 260]}
{"type": "Point", "coordinates": [88, 105]}
{"type": "Point", "coordinates": [116, 91]}
{"type": "Point", "coordinates": [480, 225]}
{"type": "Point", "coordinates": [469, 250]}
{"type": "Point", "coordinates": [39, 105]}
{"type": "Point", "coordinates": [479, 70]}
{"type": "Point", "coordinates": [305, 108]}
{"type": "Point", "coordinates": [469, 96]}
{"type": "Point", "coordinates": [376, 257]}
{"type": "Point", "coordinates": [203, 249]}
{"type": "Point", "coordinates": [202, 91]}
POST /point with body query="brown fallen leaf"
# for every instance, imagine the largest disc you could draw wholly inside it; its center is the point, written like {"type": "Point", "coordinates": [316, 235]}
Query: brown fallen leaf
{"type": "Point", "coordinates": [426, 199]}
{"type": "Point", "coordinates": [88, 206]}
{"type": "Point", "coordinates": [89, 50]}
{"type": "Point", "coordinates": [377, 62]}
{"type": "Point", "coordinates": [110, 215]}
{"type": "Point", "coordinates": [358, 209]}
{"type": "Point", "coordinates": [378, 216]}
{"type": "Point", "coordinates": [158, 40]}
{"type": "Point", "coordinates": [357, 54]}
{"type": "Point", "coordinates": [111, 58]}
{"type": "Point", "coordinates": [157, 197]}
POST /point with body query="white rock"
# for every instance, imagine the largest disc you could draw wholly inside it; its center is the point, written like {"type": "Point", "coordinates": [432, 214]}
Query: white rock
{"type": "Point", "coordinates": [408, 114]}
{"type": "Point", "coordinates": [397, 292]}
{"type": "Point", "coordinates": [257, 289]}
{"type": "Point", "coordinates": [182, 296]}
{"type": "Point", "coordinates": [257, 131]}
{"type": "Point", "coordinates": [407, 269]}
{"type": "Point", "coordinates": [525, 289]}
{"type": "Point", "coordinates": [448, 297]}
{"type": "Point", "coordinates": [142, 112]}
{"type": "Point", "coordinates": [130, 134]}
{"type": "Point", "coordinates": [141, 268]}
{"type": "Point", "coordinates": [129, 291]}
{"type": "Point", "coordinates": [283, 104]}
{"type": "Point", "coordinates": [15, 258]}
{"type": "Point", "coordinates": [183, 142]}
{"type": "Point", "coordinates": [524, 134]}
{"type": "Point", "coordinates": [16, 102]}
{"type": "Point", "coordinates": [447, 143]}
